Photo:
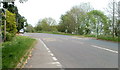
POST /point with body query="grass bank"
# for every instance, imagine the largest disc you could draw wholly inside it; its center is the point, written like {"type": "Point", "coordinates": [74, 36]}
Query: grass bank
{"type": "Point", "coordinates": [14, 50]}
{"type": "Point", "coordinates": [100, 37]}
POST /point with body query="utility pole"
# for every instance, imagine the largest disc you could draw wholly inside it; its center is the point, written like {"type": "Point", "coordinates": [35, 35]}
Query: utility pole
{"type": "Point", "coordinates": [113, 17]}
{"type": "Point", "coordinates": [5, 5]}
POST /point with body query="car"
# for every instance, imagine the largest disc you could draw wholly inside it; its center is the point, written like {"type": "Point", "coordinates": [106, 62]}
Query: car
{"type": "Point", "coordinates": [22, 31]}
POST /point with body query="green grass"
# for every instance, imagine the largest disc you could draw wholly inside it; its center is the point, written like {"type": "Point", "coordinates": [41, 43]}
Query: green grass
{"type": "Point", "coordinates": [89, 35]}
{"type": "Point", "coordinates": [14, 50]}
{"type": "Point", "coordinates": [60, 33]}
{"type": "Point", "coordinates": [0, 56]}
{"type": "Point", "coordinates": [115, 39]}
{"type": "Point", "coordinates": [108, 38]}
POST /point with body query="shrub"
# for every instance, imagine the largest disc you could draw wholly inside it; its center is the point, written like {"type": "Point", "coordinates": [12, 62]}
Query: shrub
{"type": "Point", "coordinates": [9, 36]}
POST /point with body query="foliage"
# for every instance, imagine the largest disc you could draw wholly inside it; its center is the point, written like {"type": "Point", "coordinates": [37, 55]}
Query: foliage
{"type": "Point", "coordinates": [75, 20]}
{"type": "Point", "coordinates": [46, 24]}
{"type": "Point", "coordinates": [10, 26]}
{"type": "Point", "coordinates": [20, 20]}
{"type": "Point", "coordinates": [14, 21]}
{"type": "Point", "coordinates": [14, 50]}
{"type": "Point", "coordinates": [99, 21]}
{"type": "Point", "coordinates": [9, 36]}
{"type": "Point", "coordinates": [109, 38]}
{"type": "Point", "coordinates": [30, 28]}
{"type": "Point", "coordinates": [11, 23]}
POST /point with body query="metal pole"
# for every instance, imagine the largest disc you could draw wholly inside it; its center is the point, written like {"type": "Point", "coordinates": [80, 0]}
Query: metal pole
{"type": "Point", "coordinates": [97, 29]}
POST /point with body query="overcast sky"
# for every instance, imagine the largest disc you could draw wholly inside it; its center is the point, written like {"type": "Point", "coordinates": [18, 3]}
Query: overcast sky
{"type": "Point", "coordinates": [33, 10]}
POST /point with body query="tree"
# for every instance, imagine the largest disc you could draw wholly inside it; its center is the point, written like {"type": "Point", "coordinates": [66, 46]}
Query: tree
{"type": "Point", "coordinates": [20, 20]}
{"type": "Point", "coordinates": [46, 24]}
{"type": "Point", "coordinates": [10, 25]}
{"type": "Point", "coordinates": [119, 10]}
{"type": "Point", "coordinates": [98, 21]}
{"type": "Point", "coordinates": [74, 21]}
{"type": "Point", "coordinates": [11, 22]}
{"type": "Point", "coordinates": [21, 23]}
{"type": "Point", "coordinates": [113, 14]}
{"type": "Point", "coordinates": [67, 23]}
{"type": "Point", "coordinates": [29, 28]}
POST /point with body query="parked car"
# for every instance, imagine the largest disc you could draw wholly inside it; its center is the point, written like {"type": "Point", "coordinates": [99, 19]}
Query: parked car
{"type": "Point", "coordinates": [22, 31]}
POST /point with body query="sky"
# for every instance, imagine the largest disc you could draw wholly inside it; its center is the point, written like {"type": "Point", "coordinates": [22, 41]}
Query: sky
{"type": "Point", "coordinates": [34, 10]}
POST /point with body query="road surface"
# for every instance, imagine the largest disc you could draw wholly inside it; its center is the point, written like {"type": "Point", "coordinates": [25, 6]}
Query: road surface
{"type": "Point", "coordinates": [72, 52]}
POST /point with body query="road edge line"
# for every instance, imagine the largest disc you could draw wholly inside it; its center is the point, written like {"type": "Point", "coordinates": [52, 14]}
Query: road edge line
{"type": "Point", "coordinates": [53, 57]}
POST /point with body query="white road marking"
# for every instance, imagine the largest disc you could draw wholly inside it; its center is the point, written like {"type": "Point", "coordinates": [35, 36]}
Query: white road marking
{"type": "Point", "coordinates": [104, 49]}
{"type": "Point", "coordinates": [54, 58]}
{"type": "Point", "coordinates": [52, 55]}
{"type": "Point", "coordinates": [58, 63]}
{"type": "Point", "coordinates": [44, 44]}
{"type": "Point", "coordinates": [49, 51]}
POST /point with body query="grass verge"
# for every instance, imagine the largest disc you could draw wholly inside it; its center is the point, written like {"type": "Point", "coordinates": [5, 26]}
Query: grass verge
{"type": "Point", "coordinates": [13, 51]}
{"type": "Point", "coordinates": [107, 38]}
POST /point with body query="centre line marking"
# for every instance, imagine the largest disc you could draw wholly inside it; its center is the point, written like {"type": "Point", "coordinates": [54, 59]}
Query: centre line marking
{"type": "Point", "coordinates": [105, 49]}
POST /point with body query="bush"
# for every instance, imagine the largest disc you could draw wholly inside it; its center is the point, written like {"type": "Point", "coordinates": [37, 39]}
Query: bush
{"type": "Point", "coordinates": [9, 36]}
{"type": "Point", "coordinates": [108, 38]}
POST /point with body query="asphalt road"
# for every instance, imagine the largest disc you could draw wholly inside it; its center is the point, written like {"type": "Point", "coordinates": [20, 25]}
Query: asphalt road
{"type": "Point", "coordinates": [76, 52]}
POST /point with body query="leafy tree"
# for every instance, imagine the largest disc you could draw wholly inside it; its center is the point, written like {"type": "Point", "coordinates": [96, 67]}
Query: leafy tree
{"type": "Point", "coordinates": [11, 22]}
{"type": "Point", "coordinates": [10, 25]}
{"type": "Point", "coordinates": [112, 11]}
{"type": "Point", "coordinates": [46, 24]}
{"type": "Point", "coordinates": [29, 28]}
{"type": "Point", "coordinates": [21, 22]}
{"type": "Point", "coordinates": [99, 21]}
{"type": "Point", "coordinates": [74, 21]}
{"type": "Point", "coordinates": [67, 23]}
